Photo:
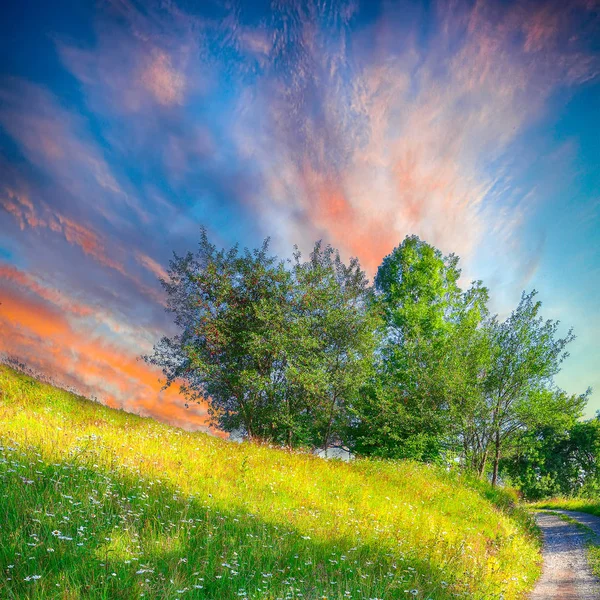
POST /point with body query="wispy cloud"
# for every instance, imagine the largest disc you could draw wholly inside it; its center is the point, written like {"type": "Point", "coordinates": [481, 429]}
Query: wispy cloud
{"type": "Point", "coordinates": [369, 141]}
{"type": "Point", "coordinates": [21, 207]}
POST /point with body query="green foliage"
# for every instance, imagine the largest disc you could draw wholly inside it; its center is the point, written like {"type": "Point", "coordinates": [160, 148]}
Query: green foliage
{"type": "Point", "coordinates": [389, 426]}
{"type": "Point", "coordinates": [586, 505]}
{"type": "Point", "coordinates": [430, 359]}
{"type": "Point", "coordinates": [417, 287]}
{"type": "Point", "coordinates": [561, 458]}
{"type": "Point", "coordinates": [305, 354]}
{"type": "Point", "coordinates": [102, 504]}
{"type": "Point", "coordinates": [526, 355]}
{"type": "Point", "coordinates": [466, 359]}
{"type": "Point", "coordinates": [231, 311]}
{"type": "Point", "coordinates": [278, 352]}
{"type": "Point", "coordinates": [332, 340]}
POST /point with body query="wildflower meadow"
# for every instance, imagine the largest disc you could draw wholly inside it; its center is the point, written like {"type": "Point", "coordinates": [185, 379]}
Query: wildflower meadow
{"type": "Point", "coordinates": [98, 503]}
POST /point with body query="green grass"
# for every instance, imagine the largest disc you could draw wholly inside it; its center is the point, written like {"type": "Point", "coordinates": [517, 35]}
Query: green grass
{"type": "Point", "coordinates": [580, 504]}
{"type": "Point", "coordinates": [97, 503]}
{"type": "Point", "coordinates": [569, 519]}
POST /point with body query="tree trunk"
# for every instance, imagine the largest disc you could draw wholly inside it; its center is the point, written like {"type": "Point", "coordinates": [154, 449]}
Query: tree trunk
{"type": "Point", "coordinates": [329, 425]}
{"type": "Point", "coordinates": [496, 459]}
{"type": "Point", "coordinates": [482, 464]}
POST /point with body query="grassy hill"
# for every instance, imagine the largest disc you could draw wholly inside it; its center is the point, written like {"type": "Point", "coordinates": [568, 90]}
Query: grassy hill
{"type": "Point", "coordinates": [97, 503]}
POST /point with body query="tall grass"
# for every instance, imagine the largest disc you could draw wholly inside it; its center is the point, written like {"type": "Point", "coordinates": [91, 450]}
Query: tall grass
{"type": "Point", "coordinates": [97, 503]}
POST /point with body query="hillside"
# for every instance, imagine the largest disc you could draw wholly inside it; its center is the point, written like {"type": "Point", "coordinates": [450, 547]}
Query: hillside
{"type": "Point", "coordinates": [97, 503]}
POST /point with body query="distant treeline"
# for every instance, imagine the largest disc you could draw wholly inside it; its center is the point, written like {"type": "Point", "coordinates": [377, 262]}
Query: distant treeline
{"type": "Point", "coordinates": [305, 353]}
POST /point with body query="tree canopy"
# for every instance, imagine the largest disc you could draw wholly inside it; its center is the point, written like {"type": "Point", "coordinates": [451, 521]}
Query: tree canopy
{"type": "Point", "coordinates": [278, 350]}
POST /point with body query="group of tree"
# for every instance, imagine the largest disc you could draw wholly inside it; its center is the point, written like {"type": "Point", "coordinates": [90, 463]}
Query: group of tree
{"type": "Point", "coordinates": [304, 353]}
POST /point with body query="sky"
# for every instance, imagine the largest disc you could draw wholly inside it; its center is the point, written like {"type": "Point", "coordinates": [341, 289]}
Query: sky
{"type": "Point", "coordinates": [125, 126]}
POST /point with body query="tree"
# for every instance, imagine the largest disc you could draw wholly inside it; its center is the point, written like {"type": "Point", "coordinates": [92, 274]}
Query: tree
{"type": "Point", "coordinates": [467, 356]}
{"type": "Point", "coordinates": [231, 312]}
{"type": "Point", "coordinates": [559, 456]}
{"type": "Point", "coordinates": [417, 289]}
{"type": "Point", "coordinates": [333, 339]}
{"type": "Point", "coordinates": [404, 411]}
{"type": "Point", "coordinates": [277, 352]}
{"type": "Point", "coordinates": [526, 354]}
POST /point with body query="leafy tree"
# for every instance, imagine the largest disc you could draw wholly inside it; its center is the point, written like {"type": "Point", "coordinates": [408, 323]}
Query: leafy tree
{"type": "Point", "coordinates": [404, 410]}
{"type": "Point", "coordinates": [417, 289]}
{"type": "Point", "coordinates": [333, 341]}
{"type": "Point", "coordinates": [231, 310]}
{"type": "Point", "coordinates": [560, 456]}
{"type": "Point", "coordinates": [526, 354]}
{"type": "Point", "coordinates": [467, 355]}
{"type": "Point", "coordinates": [304, 353]}
{"type": "Point", "coordinates": [277, 352]}
{"type": "Point", "coordinates": [583, 451]}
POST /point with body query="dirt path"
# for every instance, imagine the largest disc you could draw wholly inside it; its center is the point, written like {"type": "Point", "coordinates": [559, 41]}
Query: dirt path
{"type": "Point", "coordinates": [566, 574]}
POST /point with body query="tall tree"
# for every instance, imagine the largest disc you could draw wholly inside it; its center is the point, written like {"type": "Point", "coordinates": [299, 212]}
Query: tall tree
{"type": "Point", "coordinates": [333, 338]}
{"type": "Point", "coordinates": [526, 354]}
{"type": "Point", "coordinates": [467, 356]}
{"type": "Point", "coordinates": [231, 309]}
{"type": "Point", "coordinates": [404, 410]}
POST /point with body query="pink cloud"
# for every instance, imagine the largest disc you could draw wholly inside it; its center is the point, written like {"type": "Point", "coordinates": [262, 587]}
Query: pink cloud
{"type": "Point", "coordinates": [403, 144]}
{"type": "Point", "coordinates": [58, 142]}
{"type": "Point", "coordinates": [162, 80]}
{"type": "Point", "coordinates": [56, 297]}
{"type": "Point", "coordinates": [144, 67]}
{"type": "Point", "coordinates": [141, 58]}
{"type": "Point", "coordinates": [151, 265]}
{"type": "Point", "coordinates": [90, 242]}
{"type": "Point", "coordinates": [75, 233]}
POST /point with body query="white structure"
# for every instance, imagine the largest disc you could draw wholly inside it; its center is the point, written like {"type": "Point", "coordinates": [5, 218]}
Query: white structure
{"type": "Point", "coordinates": [337, 452]}
{"type": "Point", "coordinates": [237, 436]}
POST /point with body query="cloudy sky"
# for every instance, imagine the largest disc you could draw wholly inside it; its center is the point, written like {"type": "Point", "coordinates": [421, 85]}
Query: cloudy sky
{"type": "Point", "coordinates": [125, 125]}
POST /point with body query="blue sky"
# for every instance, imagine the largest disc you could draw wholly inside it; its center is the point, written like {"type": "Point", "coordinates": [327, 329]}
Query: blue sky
{"type": "Point", "coordinates": [125, 125]}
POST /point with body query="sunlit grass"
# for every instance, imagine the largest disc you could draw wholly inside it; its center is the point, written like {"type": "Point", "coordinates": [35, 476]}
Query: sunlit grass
{"type": "Point", "coordinates": [580, 504]}
{"type": "Point", "coordinates": [97, 503]}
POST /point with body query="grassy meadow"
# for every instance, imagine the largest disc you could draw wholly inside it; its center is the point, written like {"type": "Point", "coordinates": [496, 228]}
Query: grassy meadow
{"type": "Point", "coordinates": [98, 503]}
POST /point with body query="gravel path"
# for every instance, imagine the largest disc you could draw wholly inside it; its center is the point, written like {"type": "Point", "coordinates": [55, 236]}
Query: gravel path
{"type": "Point", "coordinates": [566, 575]}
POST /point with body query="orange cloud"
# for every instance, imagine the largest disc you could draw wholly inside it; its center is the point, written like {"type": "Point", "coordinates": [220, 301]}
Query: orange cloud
{"type": "Point", "coordinates": [344, 224]}
{"type": "Point", "coordinates": [89, 241]}
{"type": "Point", "coordinates": [21, 207]}
{"type": "Point", "coordinates": [151, 265]}
{"type": "Point", "coordinates": [26, 281]}
{"type": "Point", "coordinates": [41, 336]}
{"type": "Point", "coordinates": [86, 239]}
{"type": "Point", "coordinates": [409, 138]}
